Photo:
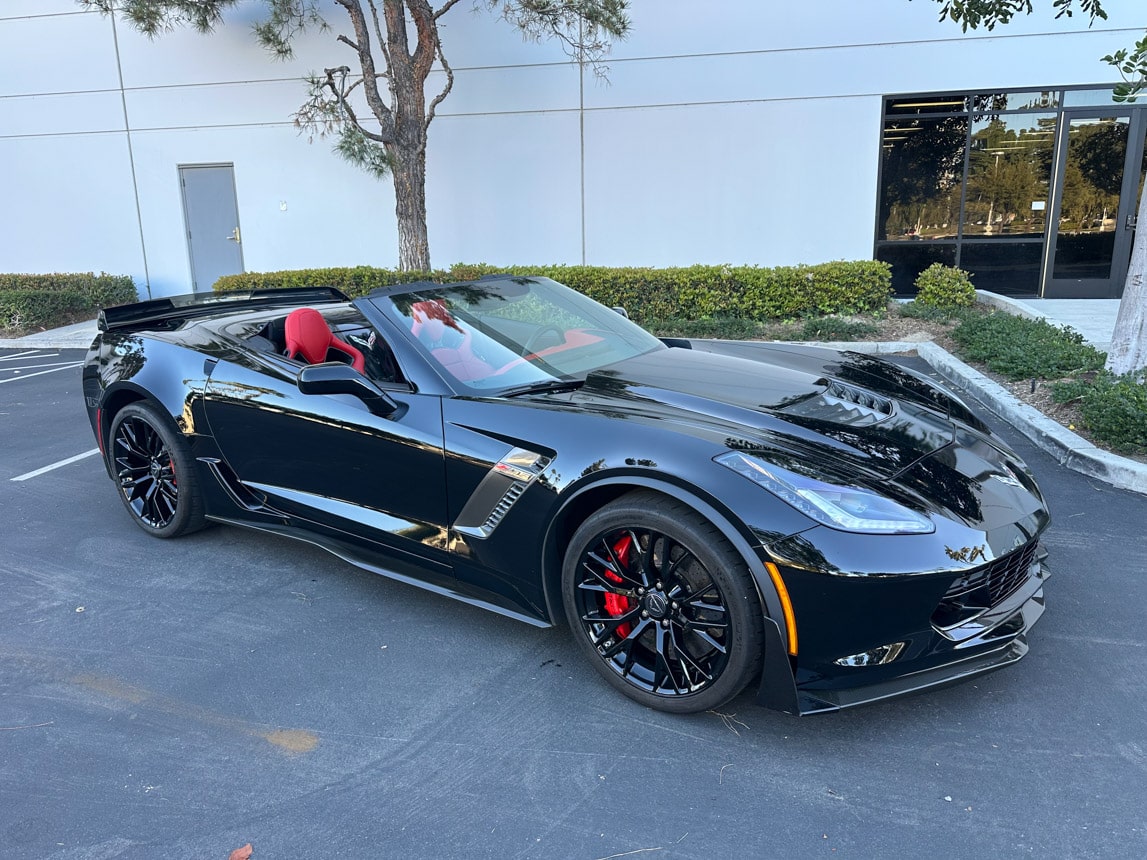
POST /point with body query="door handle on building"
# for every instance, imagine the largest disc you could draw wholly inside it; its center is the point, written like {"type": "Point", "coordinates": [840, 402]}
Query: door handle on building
{"type": "Point", "coordinates": [234, 237]}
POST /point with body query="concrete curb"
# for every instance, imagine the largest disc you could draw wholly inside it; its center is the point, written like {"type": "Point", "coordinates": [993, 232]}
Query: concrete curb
{"type": "Point", "coordinates": [1003, 303]}
{"type": "Point", "coordinates": [1066, 447]}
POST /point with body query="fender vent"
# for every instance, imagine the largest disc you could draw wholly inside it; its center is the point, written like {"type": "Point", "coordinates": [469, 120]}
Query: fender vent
{"type": "Point", "coordinates": [503, 506]}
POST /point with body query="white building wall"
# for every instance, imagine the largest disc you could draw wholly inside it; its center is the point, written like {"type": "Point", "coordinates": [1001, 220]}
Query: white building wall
{"type": "Point", "coordinates": [748, 134]}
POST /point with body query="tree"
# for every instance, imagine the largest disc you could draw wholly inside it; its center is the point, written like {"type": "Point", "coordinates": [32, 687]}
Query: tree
{"type": "Point", "coordinates": [1128, 351]}
{"type": "Point", "coordinates": [384, 127]}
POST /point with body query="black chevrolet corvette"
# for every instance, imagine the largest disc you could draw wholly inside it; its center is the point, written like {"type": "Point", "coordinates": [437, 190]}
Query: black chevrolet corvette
{"type": "Point", "coordinates": [703, 515]}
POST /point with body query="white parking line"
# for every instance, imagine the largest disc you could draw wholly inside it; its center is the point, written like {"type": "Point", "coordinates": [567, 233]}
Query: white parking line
{"type": "Point", "coordinates": [41, 373]}
{"type": "Point", "coordinates": [24, 367]}
{"type": "Point", "coordinates": [66, 462]}
{"type": "Point", "coordinates": [20, 355]}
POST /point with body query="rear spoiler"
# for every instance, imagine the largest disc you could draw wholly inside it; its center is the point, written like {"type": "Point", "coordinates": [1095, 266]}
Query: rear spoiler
{"type": "Point", "coordinates": [149, 313]}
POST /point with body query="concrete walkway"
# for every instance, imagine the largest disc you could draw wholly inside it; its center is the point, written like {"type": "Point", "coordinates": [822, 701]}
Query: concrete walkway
{"type": "Point", "coordinates": [78, 336]}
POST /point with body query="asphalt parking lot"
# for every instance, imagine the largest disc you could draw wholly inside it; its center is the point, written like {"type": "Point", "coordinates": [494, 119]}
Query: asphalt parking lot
{"type": "Point", "coordinates": [183, 698]}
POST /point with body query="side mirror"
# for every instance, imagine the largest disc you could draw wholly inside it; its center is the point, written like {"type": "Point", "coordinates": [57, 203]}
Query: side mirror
{"type": "Point", "coordinates": [337, 378]}
{"type": "Point", "coordinates": [621, 311]}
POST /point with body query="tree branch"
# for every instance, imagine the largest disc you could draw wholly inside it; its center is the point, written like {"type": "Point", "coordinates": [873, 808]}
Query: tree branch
{"type": "Point", "coordinates": [428, 44]}
{"type": "Point", "coordinates": [370, 77]}
{"type": "Point", "coordinates": [438, 99]}
{"type": "Point", "coordinates": [446, 7]}
{"type": "Point", "coordinates": [383, 48]}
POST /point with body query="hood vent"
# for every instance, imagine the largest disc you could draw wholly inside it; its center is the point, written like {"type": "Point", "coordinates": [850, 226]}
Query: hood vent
{"type": "Point", "coordinates": [844, 404]}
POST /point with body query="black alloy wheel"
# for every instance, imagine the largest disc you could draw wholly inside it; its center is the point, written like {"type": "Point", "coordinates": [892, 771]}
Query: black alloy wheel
{"type": "Point", "coordinates": [152, 466]}
{"type": "Point", "coordinates": [662, 604]}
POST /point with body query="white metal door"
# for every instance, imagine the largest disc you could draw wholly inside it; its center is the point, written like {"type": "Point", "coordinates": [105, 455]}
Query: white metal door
{"type": "Point", "coordinates": [211, 213]}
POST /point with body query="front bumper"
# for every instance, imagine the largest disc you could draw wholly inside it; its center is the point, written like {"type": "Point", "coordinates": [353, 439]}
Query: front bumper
{"type": "Point", "coordinates": [996, 638]}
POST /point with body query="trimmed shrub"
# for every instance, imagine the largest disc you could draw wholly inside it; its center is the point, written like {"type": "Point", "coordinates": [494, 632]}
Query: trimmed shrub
{"type": "Point", "coordinates": [945, 287]}
{"type": "Point", "coordinates": [693, 292]}
{"type": "Point", "coordinates": [43, 301]}
{"type": "Point", "coordinates": [354, 281]}
{"type": "Point", "coordinates": [1020, 348]}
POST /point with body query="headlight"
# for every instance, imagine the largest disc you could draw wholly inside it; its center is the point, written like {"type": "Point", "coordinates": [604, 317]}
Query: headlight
{"type": "Point", "coordinates": [852, 509]}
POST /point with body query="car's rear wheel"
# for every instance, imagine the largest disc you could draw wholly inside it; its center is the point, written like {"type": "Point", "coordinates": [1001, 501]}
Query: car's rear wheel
{"type": "Point", "coordinates": [662, 604]}
{"type": "Point", "coordinates": [153, 468]}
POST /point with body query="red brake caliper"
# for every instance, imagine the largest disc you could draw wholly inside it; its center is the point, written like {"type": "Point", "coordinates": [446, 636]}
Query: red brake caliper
{"type": "Point", "coordinates": [619, 604]}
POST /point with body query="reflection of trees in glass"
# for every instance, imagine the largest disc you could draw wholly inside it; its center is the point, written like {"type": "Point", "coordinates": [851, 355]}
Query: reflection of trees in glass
{"type": "Point", "coordinates": [1008, 171]}
{"type": "Point", "coordinates": [923, 163]}
{"type": "Point", "coordinates": [1094, 173]}
{"type": "Point", "coordinates": [996, 102]}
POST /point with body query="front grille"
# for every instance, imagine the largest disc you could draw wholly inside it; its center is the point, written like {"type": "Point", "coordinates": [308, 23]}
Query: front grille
{"type": "Point", "coordinates": [985, 587]}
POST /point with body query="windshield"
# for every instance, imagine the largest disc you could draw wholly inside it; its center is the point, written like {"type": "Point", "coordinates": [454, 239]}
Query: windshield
{"type": "Point", "coordinates": [503, 333]}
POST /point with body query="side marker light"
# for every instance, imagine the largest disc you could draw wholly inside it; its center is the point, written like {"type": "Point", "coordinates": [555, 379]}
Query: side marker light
{"type": "Point", "coordinates": [786, 606]}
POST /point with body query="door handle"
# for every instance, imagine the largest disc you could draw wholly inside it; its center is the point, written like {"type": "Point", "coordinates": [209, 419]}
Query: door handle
{"type": "Point", "coordinates": [234, 237]}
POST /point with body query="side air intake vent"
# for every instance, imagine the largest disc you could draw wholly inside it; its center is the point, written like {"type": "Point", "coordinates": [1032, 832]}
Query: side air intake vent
{"type": "Point", "coordinates": [503, 507]}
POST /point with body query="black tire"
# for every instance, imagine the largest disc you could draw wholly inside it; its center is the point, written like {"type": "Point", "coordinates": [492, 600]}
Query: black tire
{"type": "Point", "coordinates": [153, 467]}
{"type": "Point", "coordinates": [662, 604]}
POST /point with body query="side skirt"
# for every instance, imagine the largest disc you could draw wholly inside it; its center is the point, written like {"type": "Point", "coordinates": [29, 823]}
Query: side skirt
{"type": "Point", "coordinates": [436, 583]}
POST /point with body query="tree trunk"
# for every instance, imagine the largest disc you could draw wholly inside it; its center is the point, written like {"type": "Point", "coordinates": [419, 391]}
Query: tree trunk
{"type": "Point", "coordinates": [1129, 340]}
{"type": "Point", "coordinates": [410, 210]}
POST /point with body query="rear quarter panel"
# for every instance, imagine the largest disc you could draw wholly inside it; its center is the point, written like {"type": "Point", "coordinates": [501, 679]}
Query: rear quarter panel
{"type": "Point", "coordinates": [122, 368]}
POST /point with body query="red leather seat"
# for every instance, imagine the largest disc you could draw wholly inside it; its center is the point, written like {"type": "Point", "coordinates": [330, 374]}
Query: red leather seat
{"type": "Point", "coordinates": [310, 338]}
{"type": "Point", "coordinates": [447, 341]}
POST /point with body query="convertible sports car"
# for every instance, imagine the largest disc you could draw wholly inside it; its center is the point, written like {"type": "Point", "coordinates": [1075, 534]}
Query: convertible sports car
{"type": "Point", "coordinates": [702, 515]}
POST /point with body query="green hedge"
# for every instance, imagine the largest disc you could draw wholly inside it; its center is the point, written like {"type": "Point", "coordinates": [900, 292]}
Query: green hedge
{"type": "Point", "coordinates": [354, 281]}
{"type": "Point", "coordinates": [42, 301]}
{"type": "Point", "coordinates": [694, 292]}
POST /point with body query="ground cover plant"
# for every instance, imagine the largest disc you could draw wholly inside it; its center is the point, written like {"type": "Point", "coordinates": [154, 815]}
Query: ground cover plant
{"type": "Point", "coordinates": [1020, 348]}
{"type": "Point", "coordinates": [1113, 408]}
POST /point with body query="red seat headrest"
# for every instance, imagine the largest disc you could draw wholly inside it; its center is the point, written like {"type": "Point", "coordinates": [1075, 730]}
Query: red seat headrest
{"type": "Point", "coordinates": [309, 336]}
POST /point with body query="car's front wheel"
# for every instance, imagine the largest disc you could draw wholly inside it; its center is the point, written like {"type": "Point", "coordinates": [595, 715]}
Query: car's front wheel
{"type": "Point", "coordinates": [662, 604]}
{"type": "Point", "coordinates": [153, 468]}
